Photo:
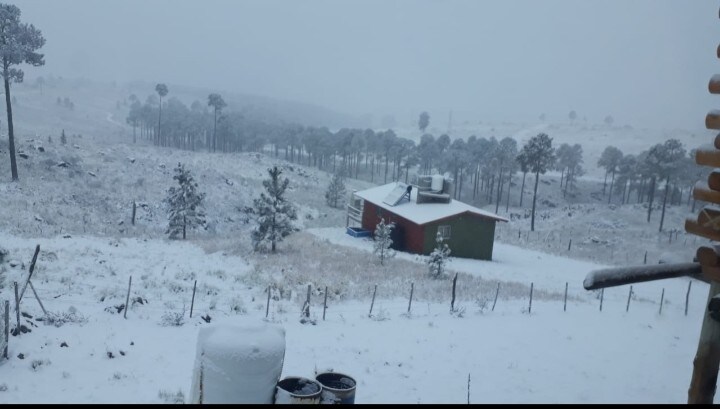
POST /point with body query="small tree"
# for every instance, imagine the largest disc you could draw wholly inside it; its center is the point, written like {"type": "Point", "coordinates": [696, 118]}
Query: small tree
{"type": "Point", "coordinates": [381, 248]}
{"type": "Point", "coordinates": [63, 138]}
{"type": "Point", "coordinates": [439, 257]}
{"type": "Point", "coordinates": [185, 204]}
{"type": "Point", "coordinates": [336, 191]}
{"type": "Point", "coordinates": [274, 212]}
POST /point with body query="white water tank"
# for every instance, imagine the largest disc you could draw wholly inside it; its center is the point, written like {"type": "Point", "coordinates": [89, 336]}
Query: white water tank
{"type": "Point", "coordinates": [238, 363]}
{"type": "Point", "coordinates": [437, 183]}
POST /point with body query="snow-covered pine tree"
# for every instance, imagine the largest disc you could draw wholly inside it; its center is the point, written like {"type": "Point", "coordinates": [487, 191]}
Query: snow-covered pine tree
{"type": "Point", "coordinates": [185, 204]}
{"type": "Point", "coordinates": [63, 138]}
{"type": "Point", "coordinates": [336, 191]}
{"type": "Point", "coordinates": [381, 247]}
{"type": "Point", "coordinates": [439, 257]}
{"type": "Point", "coordinates": [274, 212]}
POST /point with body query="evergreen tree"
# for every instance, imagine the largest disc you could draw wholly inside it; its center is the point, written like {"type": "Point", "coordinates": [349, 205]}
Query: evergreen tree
{"type": "Point", "coordinates": [63, 138]}
{"type": "Point", "coordinates": [185, 204]}
{"type": "Point", "coordinates": [336, 191]}
{"type": "Point", "coordinates": [274, 212]}
{"type": "Point", "coordinates": [540, 156]}
{"type": "Point", "coordinates": [381, 247]}
{"type": "Point", "coordinates": [439, 257]}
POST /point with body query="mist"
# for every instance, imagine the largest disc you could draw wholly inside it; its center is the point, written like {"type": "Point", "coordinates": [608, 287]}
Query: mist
{"type": "Point", "coordinates": [645, 62]}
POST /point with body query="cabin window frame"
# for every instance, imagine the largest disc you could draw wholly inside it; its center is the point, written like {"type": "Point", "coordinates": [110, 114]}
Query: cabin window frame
{"type": "Point", "coordinates": [445, 231]}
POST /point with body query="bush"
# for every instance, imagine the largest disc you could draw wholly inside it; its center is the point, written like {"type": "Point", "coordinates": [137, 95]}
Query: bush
{"type": "Point", "coordinates": [58, 319]}
{"type": "Point", "coordinates": [173, 318]}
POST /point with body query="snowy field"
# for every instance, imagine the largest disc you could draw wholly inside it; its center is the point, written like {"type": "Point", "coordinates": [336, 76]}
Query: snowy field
{"type": "Point", "coordinates": [581, 355]}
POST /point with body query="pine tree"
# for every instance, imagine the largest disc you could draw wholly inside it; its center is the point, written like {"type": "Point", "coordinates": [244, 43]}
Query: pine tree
{"type": "Point", "coordinates": [185, 204]}
{"type": "Point", "coordinates": [274, 212]}
{"type": "Point", "coordinates": [63, 138]}
{"type": "Point", "coordinates": [336, 191]}
{"type": "Point", "coordinates": [439, 257]}
{"type": "Point", "coordinates": [381, 247]}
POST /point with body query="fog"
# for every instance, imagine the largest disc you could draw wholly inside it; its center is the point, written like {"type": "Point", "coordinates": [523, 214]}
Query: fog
{"type": "Point", "coordinates": [646, 62]}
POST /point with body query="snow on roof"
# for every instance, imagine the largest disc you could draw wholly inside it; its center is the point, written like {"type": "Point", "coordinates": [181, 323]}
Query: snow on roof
{"type": "Point", "coordinates": [421, 213]}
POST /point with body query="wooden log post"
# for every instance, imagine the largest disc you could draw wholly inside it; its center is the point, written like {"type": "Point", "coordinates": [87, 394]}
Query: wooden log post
{"type": "Point", "coordinates": [37, 298]}
{"type": "Point", "coordinates": [569, 244]}
{"type": "Point", "coordinates": [497, 291]}
{"type": "Point", "coordinates": [133, 213]}
{"type": "Point", "coordinates": [565, 298]}
{"type": "Point", "coordinates": [687, 297]}
{"type": "Point", "coordinates": [707, 358]}
{"type": "Point", "coordinates": [325, 303]}
{"type": "Point", "coordinates": [372, 303]}
{"type": "Point", "coordinates": [662, 298]}
{"type": "Point", "coordinates": [127, 299]}
{"type": "Point", "coordinates": [627, 307]}
{"type": "Point", "coordinates": [602, 296]}
{"type": "Point", "coordinates": [645, 258]}
{"type": "Point", "coordinates": [412, 288]}
{"type": "Point", "coordinates": [452, 302]}
{"type": "Point", "coordinates": [192, 300]}
{"type": "Point", "coordinates": [267, 306]}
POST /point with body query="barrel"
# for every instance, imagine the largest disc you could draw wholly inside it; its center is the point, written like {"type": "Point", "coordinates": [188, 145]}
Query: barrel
{"type": "Point", "coordinates": [337, 388]}
{"type": "Point", "coordinates": [298, 390]}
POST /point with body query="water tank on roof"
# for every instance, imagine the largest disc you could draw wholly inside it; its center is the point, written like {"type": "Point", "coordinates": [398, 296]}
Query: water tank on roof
{"type": "Point", "coordinates": [437, 183]}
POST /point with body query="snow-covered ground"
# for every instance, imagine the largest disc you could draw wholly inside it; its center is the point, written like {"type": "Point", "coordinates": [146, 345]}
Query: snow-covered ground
{"type": "Point", "coordinates": [580, 355]}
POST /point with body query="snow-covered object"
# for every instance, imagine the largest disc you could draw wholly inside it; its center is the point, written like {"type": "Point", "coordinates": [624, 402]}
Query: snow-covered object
{"type": "Point", "coordinates": [238, 364]}
{"type": "Point", "coordinates": [298, 390]}
{"type": "Point", "coordinates": [437, 183]}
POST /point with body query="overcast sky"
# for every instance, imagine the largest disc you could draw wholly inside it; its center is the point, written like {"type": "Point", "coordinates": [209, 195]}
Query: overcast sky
{"type": "Point", "coordinates": [646, 62]}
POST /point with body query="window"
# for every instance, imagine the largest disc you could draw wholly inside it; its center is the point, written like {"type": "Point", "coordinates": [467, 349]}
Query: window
{"type": "Point", "coordinates": [444, 232]}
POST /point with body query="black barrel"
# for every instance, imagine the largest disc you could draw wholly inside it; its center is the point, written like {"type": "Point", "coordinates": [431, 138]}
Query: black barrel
{"type": "Point", "coordinates": [338, 388]}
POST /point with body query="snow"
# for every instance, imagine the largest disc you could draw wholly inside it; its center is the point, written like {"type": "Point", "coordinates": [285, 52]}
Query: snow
{"type": "Point", "coordinates": [550, 356]}
{"type": "Point", "coordinates": [420, 213]}
{"type": "Point", "coordinates": [238, 364]}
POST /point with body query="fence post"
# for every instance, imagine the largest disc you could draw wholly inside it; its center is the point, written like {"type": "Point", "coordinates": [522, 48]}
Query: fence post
{"type": "Point", "coordinates": [372, 303]}
{"type": "Point", "coordinates": [687, 297]}
{"type": "Point", "coordinates": [307, 303]}
{"type": "Point", "coordinates": [133, 213]}
{"type": "Point", "coordinates": [325, 303]}
{"type": "Point", "coordinates": [530, 306]}
{"type": "Point", "coordinates": [7, 328]}
{"type": "Point", "coordinates": [627, 307]}
{"type": "Point", "coordinates": [565, 299]}
{"type": "Point", "coordinates": [192, 301]}
{"type": "Point", "coordinates": [17, 309]}
{"type": "Point", "coordinates": [569, 244]}
{"type": "Point", "coordinates": [645, 259]}
{"type": "Point", "coordinates": [497, 291]}
{"type": "Point", "coordinates": [662, 297]}
{"type": "Point", "coordinates": [412, 288]}
{"type": "Point", "coordinates": [127, 299]}
{"type": "Point", "coordinates": [267, 306]}
{"type": "Point", "coordinates": [602, 295]}
{"type": "Point", "coordinates": [452, 303]}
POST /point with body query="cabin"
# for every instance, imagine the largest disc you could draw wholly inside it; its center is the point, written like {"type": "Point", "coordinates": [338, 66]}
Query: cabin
{"type": "Point", "coordinates": [421, 210]}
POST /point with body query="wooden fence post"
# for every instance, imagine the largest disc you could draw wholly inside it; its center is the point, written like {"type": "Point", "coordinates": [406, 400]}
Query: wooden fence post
{"type": "Point", "coordinates": [192, 301]}
{"type": "Point", "coordinates": [452, 302]}
{"type": "Point", "coordinates": [30, 270]}
{"type": "Point", "coordinates": [133, 213]}
{"type": "Point", "coordinates": [267, 306]}
{"type": "Point", "coordinates": [325, 303]}
{"type": "Point", "coordinates": [569, 244]}
{"type": "Point", "coordinates": [530, 306]}
{"type": "Point", "coordinates": [645, 259]}
{"type": "Point", "coordinates": [627, 307]}
{"type": "Point", "coordinates": [127, 299]}
{"type": "Point", "coordinates": [565, 299]}
{"type": "Point", "coordinates": [17, 309]}
{"type": "Point", "coordinates": [602, 295]}
{"type": "Point", "coordinates": [687, 297]}
{"type": "Point", "coordinates": [707, 359]}
{"type": "Point", "coordinates": [497, 291]}
{"type": "Point", "coordinates": [6, 331]}
{"type": "Point", "coordinates": [662, 298]}
{"type": "Point", "coordinates": [372, 303]}
{"type": "Point", "coordinates": [307, 303]}
{"type": "Point", "coordinates": [412, 288]}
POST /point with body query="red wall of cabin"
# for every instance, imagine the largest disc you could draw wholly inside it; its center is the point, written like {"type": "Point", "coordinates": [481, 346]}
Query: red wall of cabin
{"type": "Point", "coordinates": [414, 234]}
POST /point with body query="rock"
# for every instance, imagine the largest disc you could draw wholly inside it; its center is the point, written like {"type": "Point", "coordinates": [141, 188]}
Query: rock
{"type": "Point", "coordinates": [91, 174]}
{"type": "Point", "coordinates": [63, 165]}
{"type": "Point", "coordinates": [21, 356]}
{"type": "Point", "coordinates": [67, 236]}
{"type": "Point", "coordinates": [132, 160]}
{"type": "Point", "coordinates": [23, 155]}
{"type": "Point", "coordinates": [40, 149]}
{"type": "Point", "coordinates": [64, 345]}
{"type": "Point", "coordinates": [38, 218]}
